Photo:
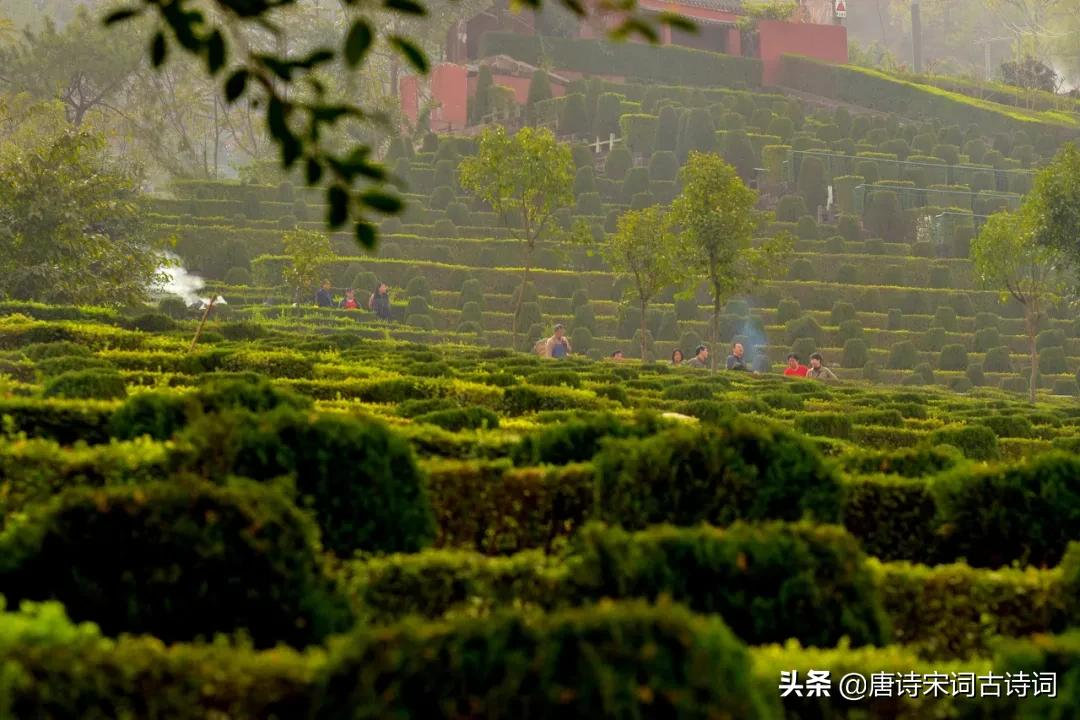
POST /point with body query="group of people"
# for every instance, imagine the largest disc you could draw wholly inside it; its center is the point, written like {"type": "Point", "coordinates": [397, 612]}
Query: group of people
{"type": "Point", "coordinates": [378, 302]}
{"type": "Point", "coordinates": [557, 346]}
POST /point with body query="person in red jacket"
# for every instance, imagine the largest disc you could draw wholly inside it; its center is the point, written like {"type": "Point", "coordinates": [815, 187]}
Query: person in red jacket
{"type": "Point", "coordinates": [794, 367]}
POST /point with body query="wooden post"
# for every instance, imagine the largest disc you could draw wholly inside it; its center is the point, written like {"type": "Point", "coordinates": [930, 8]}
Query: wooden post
{"type": "Point", "coordinates": [202, 322]}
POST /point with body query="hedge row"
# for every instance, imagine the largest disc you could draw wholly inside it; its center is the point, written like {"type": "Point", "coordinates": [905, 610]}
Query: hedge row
{"type": "Point", "coordinates": [878, 91]}
{"type": "Point", "coordinates": [643, 61]}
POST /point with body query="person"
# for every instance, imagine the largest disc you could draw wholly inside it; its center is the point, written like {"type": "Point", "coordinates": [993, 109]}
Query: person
{"type": "Point", "coordinates": [324, 298]}
{"type": "Point", "coordinates": [700, 359]}
{"type": "Point", "coordinates": [818, 371]}
{"type": "Point", "coordinates": [557, 346]}
{"type": "Point", "coordinates": [349, 301]}
{"type": "Point", "coordinates": [379, 302]}
{"type": "Point", "coordinates": [735, 359]}
{"type": "Point", "coordinates": [676, 357]}
{"type": "Point", "coordinates": [617, 355]}
{"type": "Point", "coordinates": [794, 367]}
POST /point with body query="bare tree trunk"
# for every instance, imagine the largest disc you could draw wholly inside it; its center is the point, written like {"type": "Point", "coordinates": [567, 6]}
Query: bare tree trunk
{"type": "Point", "coordinates": [644, 329]}
{"type": "Point", "coordinates": [1031, 321]}
{"type": "Point", "coordinates": [521, 295]}
{"type": "Point", "coordinates": [714, 351]}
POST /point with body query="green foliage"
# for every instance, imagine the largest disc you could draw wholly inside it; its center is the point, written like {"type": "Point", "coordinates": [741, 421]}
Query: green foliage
{"type": "Point", "coordinates": [175, 561]}
{"type": "Point", "coordinates": [953, 357]}
{"type": "Point", "coordinates": [458, 419]}
{"type": "Point", "coordinates": [71, 224]}
{"type": "Point", "coordinates": [717, 474]}
{"type": "Point", "coordinates": [1026, 512]}
{"type": "Point", "coordinates": [617, 163]}
{"type": "Point", "coordinates": [358, 477]}
{"type": "Point", "coordinates": [903, 356]}
{"type": "Point", "coordinates": [101, 384]}
{"type": "Point", "coordinates": [977, 442]}
{"type": "Point", "coordinates": [812, 185]}
{"type": "Point", "coordinates": [520, 665]}
{"type": "Point", "coordinates": [797, 572]}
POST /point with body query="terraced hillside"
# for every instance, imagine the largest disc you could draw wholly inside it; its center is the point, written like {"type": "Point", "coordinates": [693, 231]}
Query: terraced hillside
{"type": "Point", "coordinates": [531, 511]}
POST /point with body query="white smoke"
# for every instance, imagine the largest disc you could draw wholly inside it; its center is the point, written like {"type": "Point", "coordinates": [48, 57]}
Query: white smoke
{"type": "Point", "coordinates": [183, 284]}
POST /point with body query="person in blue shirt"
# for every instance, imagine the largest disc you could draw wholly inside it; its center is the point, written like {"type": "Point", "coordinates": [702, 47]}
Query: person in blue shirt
{"type": "Point", "coordinates": [558, 345]}
{"type": "Point", "coordinates": [323, 298]}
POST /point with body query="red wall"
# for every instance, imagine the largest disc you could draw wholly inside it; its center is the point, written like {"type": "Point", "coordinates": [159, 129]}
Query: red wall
{"type": "Point", "coordinates": [450, 90]}
{"type": "Point", "coordinates": [776, 38]}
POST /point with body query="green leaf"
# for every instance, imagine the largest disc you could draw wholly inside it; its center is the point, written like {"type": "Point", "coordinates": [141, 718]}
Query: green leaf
{"type": "Point", "coordinates": [357, 43]}
{"type": "Point", "coordinates": [366, 235]}
{"type": "Point", "coordinates": [382, 202]}
{"type": "Point", "coordinates": [275, 118]}
{"type": "Point", "coordinates": [313, 171]}
{"type": "Point", "coordinates": [215, 52]}
{"type": "Point", "coordinates": [235, 85]}
{"type": "Point", "coordinates": [158, 49]}
{"type": "Point", "coordinates": [337, 201]}
{"type": "Point", "coordinates": [121, 14]}
{"type": "Point", "coordinates": [408, 7]}
{"type": "Point", "coordinates": [413, 54]}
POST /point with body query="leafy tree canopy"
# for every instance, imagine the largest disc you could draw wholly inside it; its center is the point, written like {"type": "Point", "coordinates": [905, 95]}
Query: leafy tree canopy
{"type": "Point", "coordinates": [70, 228]}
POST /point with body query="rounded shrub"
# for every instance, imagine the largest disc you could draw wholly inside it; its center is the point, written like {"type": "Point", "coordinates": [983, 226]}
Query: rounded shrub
{"type": "Point", "coordinates": [359, 478]}
{"type": "Point", "coordinates": [953, 357]}
{"type": "Point", "coordinates": [445, 228]}
{"type": "Point", "coordinates": [975, 374]}
{"type": "Point", "coordinates": [246, 391]}
{"type": "Point", "coordinates": [1052, 361]}
{"type": "Point", "coordinates": [803, 327]}
{"type": "Point", "coordinates": [716, 474]}
{"type": "Point", "coordinates": [903, 356]}
{"type": "Point", "coordinates": [177, 561]}
{"type": "Point", "coordinates": [458, 419]}
{"type": "Point", "coordinates": [581, 339]}
{"type": "Point", "coordinates": [770, 582]}
{"type": "Point", "coordinates": [417, 306]}
{"type": "Point", "coordinates": [617, 163]}
{"type": "Point", "coordinates": [977, 442]}
{"type": "Point", "coordinates": [420, 320]}
{"type": "Point", "coordinates": [457, 212]}
{"type": "Point", "coordinates": [418, 287]}
{"type": "Point", "coordinates": [153, 322]}
{"type": "Point", "coordinates": [158, 415]}
{"type": "Point", "coordinates": [895, 319]}
{"type": "Point", "coordinates": [1026, 513]}
{"type": "Point", "coordinates": [93, 384]}
{"type": "Point", "coordinates": [997, 360]}
{"type": "Point", "coordinates": [855, 354]}
{"type": "Point", "coordinates": [787, 310]}
{"type": "Point", "coordinates": [841, 312]}
{"type": "Point", "coordinates": [807, 228]}
{"type": "Point", "coordinates": [471, 312]}
{"type": "Point", "coordinates": [593, 654]}
{"type": "Point", "coordinates": [238, 276]}
{"type": "Point", "coordinates": [945, 317]}
{"type": "Point", "coordinates": [987, 338]}
{"type": "Point", "coordinates": [663, 166]}
{"type": "Point", "coordinates": [847, 274]}
{"type": "Point", "coordinates": [441, 197]}
{"type": "Point", "coordinates": [472, 290]}
{"type": "Point", "coordinates": [790, 208]}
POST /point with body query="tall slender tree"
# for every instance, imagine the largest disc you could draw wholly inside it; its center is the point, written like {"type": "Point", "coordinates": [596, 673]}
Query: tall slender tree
{"type": "Point", "coordinates": [646, 249]}
{"type": "Point", "coordinates": [717, 217]}
{"type": "Point", "coordinates": [525, 178]}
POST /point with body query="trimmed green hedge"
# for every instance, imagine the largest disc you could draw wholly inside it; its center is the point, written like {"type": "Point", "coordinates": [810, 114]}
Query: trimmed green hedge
{"type": "Point", "coordinates": [177, 561]}
{"type": "Point", "coordinates": [880, 91]}
{"type": "Point", "coordinates": [662, 63]}
{"type": "Point", "coordinates": [769, 582]}
{"type": "Point", "coordinates": [734, 470]}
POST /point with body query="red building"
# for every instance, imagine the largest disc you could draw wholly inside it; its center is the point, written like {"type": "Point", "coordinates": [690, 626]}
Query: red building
{"type": "Point", "coordinates": [452, 82]}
